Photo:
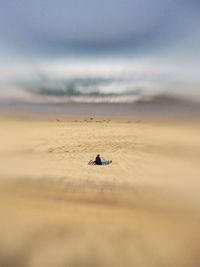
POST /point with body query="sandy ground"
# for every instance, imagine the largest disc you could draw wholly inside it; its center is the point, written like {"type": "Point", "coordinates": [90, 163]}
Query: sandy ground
{"type": "Point", "coordinates": [140, 211]}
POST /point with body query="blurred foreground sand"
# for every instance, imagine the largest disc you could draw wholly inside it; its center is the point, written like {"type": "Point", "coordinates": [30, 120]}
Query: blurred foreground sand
{"type": "Point", "coordinates": [142, 210]}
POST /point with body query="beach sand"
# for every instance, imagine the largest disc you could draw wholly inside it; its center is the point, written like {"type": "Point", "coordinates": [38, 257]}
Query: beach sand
{"type": "Point", "coordinates": [140, 211]}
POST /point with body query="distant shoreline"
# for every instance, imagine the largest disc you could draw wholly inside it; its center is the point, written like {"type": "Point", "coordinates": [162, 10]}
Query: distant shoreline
{"type": "Point", "coordinates": [152, 108]}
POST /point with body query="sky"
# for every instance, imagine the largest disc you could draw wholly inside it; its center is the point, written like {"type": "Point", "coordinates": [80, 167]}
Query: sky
{"type": "Point", "coordinates": [151, 45]}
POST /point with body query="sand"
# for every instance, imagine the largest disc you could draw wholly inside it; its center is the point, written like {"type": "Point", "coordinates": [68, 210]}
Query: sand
{"type": "Point", "coordinates": [56, 210]}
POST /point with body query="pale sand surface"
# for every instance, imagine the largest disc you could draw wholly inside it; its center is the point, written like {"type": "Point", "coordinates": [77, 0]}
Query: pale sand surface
{"type": "Point", "coordinates": [56, 210]}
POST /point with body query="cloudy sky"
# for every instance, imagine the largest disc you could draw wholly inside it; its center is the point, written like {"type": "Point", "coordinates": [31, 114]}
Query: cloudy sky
{"type": "Point", "coordinates": [152, 44]}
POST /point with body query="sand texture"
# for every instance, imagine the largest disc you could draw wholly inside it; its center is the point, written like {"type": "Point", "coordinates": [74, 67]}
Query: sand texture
{"type": "Point", "coordinates": [140, 211]}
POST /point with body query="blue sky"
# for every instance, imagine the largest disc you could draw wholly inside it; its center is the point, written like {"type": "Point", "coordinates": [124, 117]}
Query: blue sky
{"type": "Point", "coordinates": [161, 35]}
{"type": "Point", "coordinates": [95, 26]}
